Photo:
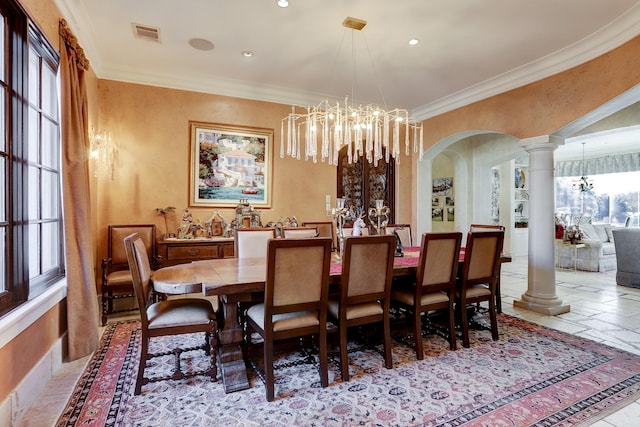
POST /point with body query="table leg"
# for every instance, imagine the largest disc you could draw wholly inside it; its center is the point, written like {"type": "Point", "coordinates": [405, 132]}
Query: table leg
{"type": "Point", "coordinates": [234, 370]}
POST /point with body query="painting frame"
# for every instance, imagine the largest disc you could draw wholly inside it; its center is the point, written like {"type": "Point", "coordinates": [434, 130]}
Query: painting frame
{"type": "Point", "coordinates": [228, 163]}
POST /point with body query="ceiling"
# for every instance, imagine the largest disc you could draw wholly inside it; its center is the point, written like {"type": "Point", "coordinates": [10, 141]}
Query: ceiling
{"type": "Point", "coordinates": [468, 50]}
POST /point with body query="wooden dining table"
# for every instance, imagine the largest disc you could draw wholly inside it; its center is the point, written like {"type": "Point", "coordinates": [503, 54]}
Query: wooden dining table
{"type": "Point", "coordinates": [237, 280]}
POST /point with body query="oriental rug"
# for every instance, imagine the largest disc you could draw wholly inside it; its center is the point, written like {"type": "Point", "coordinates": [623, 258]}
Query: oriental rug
{"type": "Point", "coordinates": [532, 376]}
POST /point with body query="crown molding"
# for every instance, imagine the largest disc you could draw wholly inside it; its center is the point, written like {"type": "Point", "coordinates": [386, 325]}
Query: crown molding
{"type": "Point", "coordinates": [606, 39]}
{"type": "Point", "coordinates": [602, 41]}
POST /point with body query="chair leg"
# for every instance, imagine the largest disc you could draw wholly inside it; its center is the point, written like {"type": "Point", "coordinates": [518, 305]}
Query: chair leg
{"type": "Point", "coordinates": [464, 324]}
{"type": "Point", "coordinates": [498, 295]}
{"type": "Point", "coordinates": [494, 319]}
{"type": "Point", "coordinates": [417, 330]}
{"type": "Point", "coordinates": [324, 365]}
{"type": "Point", "coordinates": [344, 357]}
{"type": "Point", "coordinates": [452, 327]}
{"type": "Point", "coordinates": [105, 307]}
{"type": "Point", "coordinates": [143, 363]}
{"type": "Point", "coordinates": [388, 357]}
{"type": "Point", "coordinates": [269, 377]}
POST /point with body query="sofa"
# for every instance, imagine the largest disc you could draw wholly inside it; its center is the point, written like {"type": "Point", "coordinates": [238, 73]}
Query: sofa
{"type": "Point", "coordinates": [598, 254]}
{"type": "Point", "coordinates": [627, 242]}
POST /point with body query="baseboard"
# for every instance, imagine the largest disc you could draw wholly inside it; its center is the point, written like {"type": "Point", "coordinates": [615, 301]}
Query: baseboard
{"type": "Point", "coordinates": [15, 406]}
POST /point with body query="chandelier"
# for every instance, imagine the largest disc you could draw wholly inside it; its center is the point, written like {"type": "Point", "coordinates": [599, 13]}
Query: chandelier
{"type": "Point", "coordinates": [583, 184]}
{"type": "Point", "coordinates": [366, 130]}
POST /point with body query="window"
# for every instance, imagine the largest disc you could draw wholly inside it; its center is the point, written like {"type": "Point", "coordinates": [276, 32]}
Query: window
{"type": "Point", "coordinates": [31, 244]}
{"type": "Point", "coordinates": [614, 197]}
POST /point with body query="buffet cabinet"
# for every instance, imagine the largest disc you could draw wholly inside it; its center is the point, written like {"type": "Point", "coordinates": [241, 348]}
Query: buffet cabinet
{"type": "Point", "coordinates": [182, 251]}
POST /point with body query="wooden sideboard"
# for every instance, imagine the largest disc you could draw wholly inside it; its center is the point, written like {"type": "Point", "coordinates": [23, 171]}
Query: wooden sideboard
{"type": "Point", "coordinates": [181, 251]}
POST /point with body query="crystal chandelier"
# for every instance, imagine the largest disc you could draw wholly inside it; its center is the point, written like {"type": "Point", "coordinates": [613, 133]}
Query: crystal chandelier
{"type": "Point", "coordinates": [583, 184]}
{"type": "Point", "coordinates": [366, 130]}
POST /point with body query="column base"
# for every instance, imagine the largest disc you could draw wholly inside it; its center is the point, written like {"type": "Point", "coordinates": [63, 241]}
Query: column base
{"type": "Point", "coordinates": [548, 306]}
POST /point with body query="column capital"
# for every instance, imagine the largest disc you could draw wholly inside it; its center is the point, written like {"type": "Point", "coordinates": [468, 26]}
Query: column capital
{"type": "Point", "coordinates": [541, 143]}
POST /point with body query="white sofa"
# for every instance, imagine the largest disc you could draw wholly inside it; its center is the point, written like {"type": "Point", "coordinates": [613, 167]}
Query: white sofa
{"type": "Point", "coordinates": [599, 253]}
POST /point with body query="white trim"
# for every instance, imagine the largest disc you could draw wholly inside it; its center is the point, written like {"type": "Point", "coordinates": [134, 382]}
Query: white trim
{"type": "Point", "coordinates": [17, 321]}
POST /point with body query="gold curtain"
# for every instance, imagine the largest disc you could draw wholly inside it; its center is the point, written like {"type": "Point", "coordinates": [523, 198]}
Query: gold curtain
{"type": "Point", "coordinates": [82, 302]}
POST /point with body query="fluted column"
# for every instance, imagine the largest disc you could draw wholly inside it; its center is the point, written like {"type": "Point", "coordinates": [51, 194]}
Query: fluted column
{"type": "Point", "coordinates": [541, 293]}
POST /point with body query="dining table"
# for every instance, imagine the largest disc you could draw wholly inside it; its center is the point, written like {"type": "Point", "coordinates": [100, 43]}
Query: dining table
{"type": "Point", "coordinates": [238, 280]}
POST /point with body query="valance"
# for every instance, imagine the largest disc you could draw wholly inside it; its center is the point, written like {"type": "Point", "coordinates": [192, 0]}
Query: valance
{"type": "Point", "coordinates": [609, 164]}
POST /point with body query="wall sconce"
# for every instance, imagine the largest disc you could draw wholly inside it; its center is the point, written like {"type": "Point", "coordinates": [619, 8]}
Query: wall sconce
{"type": "Point", "coordinates": [102, 151]}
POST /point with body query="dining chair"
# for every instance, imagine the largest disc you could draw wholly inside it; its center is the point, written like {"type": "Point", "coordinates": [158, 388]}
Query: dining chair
{"type": "Point", "coordinates": [252, 242]}
{"type": "Point", "coordinates": [325, 229]}
{"type": "Point", "coordinates": [478, 228]}
{"type": "Point", "coordinates": [290, 309]}
{"type": "Point", "coordinates": [299, 232]}
{"type": "Point", "coordinates": [403, 231]}
{"type": "Point", "coordinates": [116, 276]}
{"type": "Point", "coordinates": [478, 279]}
{"type": "Point", "coordinates": [347, 230]}
{"type": "Point", "coordinates": [168, 317]}
{"type": "Point", "coordinates": [367, 270]}
{"type": "Point", "coordinates": [434, 287]}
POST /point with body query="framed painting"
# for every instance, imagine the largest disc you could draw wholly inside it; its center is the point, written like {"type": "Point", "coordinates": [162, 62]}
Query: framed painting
{"type": "Point", "coordinates": [229, 163]}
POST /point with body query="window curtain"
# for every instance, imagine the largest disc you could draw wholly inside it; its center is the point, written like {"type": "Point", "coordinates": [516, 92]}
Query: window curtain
{"type": "Point", "coordinates": [609, 164]}
{"type": "Point", "coordinates": [82, 306]}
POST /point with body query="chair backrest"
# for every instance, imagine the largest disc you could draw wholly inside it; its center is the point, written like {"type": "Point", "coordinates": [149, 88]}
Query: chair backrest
{"type": "Point", "coordinates": [403, 231]}
{"type": "Point", "coordinates": [367, 269]}
{"type": "Point", "coordinates": [299, 232]}
{"type": "Point", "coordinates": [138, 261]}
{"type": "Point", "coordinates": [482, 257]}
{"type": "Point", "coordinates": [438, 265]}
{"type": "Point", "coordinates": [115, 243]}
{"type": "Point", "coordinates": [485, 227]}
{"type": "Point", "coordinates": [297, 277]}
{"type": "Point", "coordinates": [252, 242]}
{"type": "Point", "coordinates": [348, 231]}
{"type": "Point", "coordinates": [325, 229]}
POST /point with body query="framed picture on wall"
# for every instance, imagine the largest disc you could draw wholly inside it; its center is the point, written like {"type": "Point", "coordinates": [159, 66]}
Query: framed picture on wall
{"type": "Point", "coordinates": [451, 217]}
{"type": "Point", "coordinates": [437, 214]}
{"type": "Point", "coordinates": [443, 186]}
{"type": "Point", "coordinates": [435, 202]}
{"type": "Point", "coordinates": [229, 163]}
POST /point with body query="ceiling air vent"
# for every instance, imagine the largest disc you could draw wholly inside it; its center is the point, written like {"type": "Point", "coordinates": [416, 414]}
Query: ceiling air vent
{"type": "Point", "coordinates": [146, 32]}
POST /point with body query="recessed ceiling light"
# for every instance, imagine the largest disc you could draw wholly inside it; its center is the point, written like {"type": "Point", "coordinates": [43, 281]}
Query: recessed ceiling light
{"type": "Point", "coordinates": [282, 3]}
{"type": "Point", "coordinates": [247, 53]}
{"type": "Point", "coordinates": [201, 44]}
{"type": "Point", "coordinates": [413, 42]}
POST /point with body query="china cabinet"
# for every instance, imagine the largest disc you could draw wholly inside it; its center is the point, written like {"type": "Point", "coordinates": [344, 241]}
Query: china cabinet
{"type": "Point", "coordinates": [362, 183]}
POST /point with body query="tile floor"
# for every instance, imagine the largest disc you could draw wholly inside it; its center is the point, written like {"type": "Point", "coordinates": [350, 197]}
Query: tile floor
{"type": "Point", "coordinates": [600, 310]}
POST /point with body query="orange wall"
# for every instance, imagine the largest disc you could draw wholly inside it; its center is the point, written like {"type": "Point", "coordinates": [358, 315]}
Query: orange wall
{"type": "Point", "coordinates": [22, 353]}
{"type": "Point", "coordinates": [544, 106]}
{"type": "Point", "coordinates": [151, 128]}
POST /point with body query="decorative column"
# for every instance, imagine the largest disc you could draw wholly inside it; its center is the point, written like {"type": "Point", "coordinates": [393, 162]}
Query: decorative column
{"type": "Point", "coordinates": [541, 293]}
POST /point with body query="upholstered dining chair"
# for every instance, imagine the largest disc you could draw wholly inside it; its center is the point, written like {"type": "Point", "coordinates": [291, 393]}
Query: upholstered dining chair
{"type": "Point", "coordinates": [325, 229]}
{"type": "Point", "coordinates": [290, 309]}
{"type": "Point", "coordinates": [347, 230]}
{"type": "Point", "coordinates": [116, 276]}
{"type": "Point", "coordinates": [169, 317]}
{"type": "Point", "coordinates": [479, 228]}
{"type": "Point", "coordinates": [434, 288]}
{"type": "Point", "coordinates": [299, 232]}
{"type": "Point", "coordinates": [367, 270]}
{"type": "Point", "coordinates": [478, 278]}
{"type": "Point", "coordinates": [403, 231]}
{"type": "Point", "coordinates": [252, 242]}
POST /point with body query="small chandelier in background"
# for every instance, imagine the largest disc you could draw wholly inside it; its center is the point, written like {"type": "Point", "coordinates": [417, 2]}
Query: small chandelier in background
{"type": "Point", "coordinates": [102, 151]}
{"type": "Point", "coordinates": [366, 130]}
{"type": "Point", "coordinates": [583, 184]}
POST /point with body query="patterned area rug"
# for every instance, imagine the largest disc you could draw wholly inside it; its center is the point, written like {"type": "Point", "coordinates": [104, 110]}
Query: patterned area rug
{"type": "Point", "coordinates": [532, 376]}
